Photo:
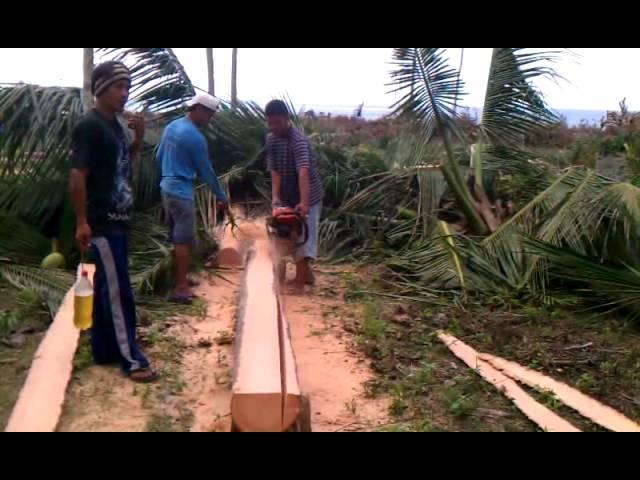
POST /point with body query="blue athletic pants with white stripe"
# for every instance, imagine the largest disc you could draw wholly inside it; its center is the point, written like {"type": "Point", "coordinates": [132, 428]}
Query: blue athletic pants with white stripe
{"type": "Point", "coordinates": [113, 334]}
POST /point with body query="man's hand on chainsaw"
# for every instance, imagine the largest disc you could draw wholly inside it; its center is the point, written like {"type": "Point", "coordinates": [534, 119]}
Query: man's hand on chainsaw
{"type": "Point", "coordinates": [303, 208]}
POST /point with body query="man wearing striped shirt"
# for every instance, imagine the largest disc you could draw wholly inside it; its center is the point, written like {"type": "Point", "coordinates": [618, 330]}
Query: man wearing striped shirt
{"type": "Point", "coordinates": [295, 182]}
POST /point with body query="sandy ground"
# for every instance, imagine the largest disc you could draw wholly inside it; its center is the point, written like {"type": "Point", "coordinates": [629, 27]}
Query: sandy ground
{"type": "Point", "coordinates": [194, 391]}
{"type": "Point", "coordinates": [330, 370]}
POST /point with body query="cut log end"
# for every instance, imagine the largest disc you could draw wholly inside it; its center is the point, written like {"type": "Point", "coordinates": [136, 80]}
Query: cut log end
{"type": "Point", "coordinates": [257, 412]}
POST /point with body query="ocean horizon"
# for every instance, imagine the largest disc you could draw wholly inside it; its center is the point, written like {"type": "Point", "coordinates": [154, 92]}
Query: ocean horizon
{"type": "Point", "coordinates": [573, 117]}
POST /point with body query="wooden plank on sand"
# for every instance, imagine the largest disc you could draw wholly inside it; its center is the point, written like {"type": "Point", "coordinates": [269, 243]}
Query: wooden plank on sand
{"type": "Point", "coordinates": [583, 404]}
{"type": "Point", "coordinates": [537, 413]}
{"type": "Point", "coordinates": [42, 396]}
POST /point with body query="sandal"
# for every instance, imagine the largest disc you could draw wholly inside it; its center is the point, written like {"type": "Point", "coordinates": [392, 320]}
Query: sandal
{"type": "Point", "coordinates": [143, 375]}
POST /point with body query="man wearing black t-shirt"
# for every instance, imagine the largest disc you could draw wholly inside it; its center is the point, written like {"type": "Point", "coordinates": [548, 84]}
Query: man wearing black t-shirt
{"type": "Point", "coordinates": [102, 200]}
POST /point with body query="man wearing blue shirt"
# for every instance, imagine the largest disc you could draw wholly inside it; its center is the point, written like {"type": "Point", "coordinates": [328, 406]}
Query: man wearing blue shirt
{"type": "Point", "coordinates": [183, 155]}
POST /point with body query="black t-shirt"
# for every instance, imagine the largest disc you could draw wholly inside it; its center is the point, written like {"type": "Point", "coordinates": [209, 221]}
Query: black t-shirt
{"type": "Point", "coordinates": [101, 146]}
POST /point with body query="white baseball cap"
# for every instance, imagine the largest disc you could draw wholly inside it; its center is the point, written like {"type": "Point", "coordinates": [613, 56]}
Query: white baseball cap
{"type": "Point", "coordinates": [206, 100]}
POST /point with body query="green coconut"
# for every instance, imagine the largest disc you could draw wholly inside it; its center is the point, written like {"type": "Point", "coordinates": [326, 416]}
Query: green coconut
{"type": "Point", "coordinates": [55, 259]}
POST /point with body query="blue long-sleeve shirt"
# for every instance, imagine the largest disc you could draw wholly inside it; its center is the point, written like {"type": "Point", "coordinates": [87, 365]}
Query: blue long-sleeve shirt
{"type": "Point", "coordinates": [183, 155]}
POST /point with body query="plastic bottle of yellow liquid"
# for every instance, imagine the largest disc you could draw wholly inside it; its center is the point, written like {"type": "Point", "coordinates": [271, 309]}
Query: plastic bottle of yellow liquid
{"type": "Point", "coordinates": [83, 303]}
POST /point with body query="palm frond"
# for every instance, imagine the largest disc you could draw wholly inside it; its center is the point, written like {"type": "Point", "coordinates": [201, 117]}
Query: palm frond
{"type": "Point", "coordinates": [615, 214]}
{"type": "Point", "coordinates": [502, 267]}
{"type": "Point", "coordinates": [37, 126]}
{"type": "Point", "coordinates": [559, 213]}
{"type": "Point", "coordinates": [433, 262]}
{"type": "Point", "coordinates": [150, 266]}
{"type": "Point", "coordinates": [619, 286]}
{"type": "Point", "coordinates": [35, 147]}
{"type": "Point", "coordinates": [159, 81]}
{"type": "Point", "coordinates": [413, 182]}
{"type": "Point", "coordinates": [151, 256]}
{"type": "Point", "coordinates": [145, 179]}
{"type": "Point", "coordinates": [581, 211]}
{"type": "Point", "coordinates": [431, 91]}
{"type": "Point", "coordinates": [621, 201]}
{"type": "Point", "coordinates": [21, 242]}
{"type": "Point", "coordinates": [237, 136]}
{"type": "Point", "coordinates": [51, 285]}
{"type": "Point", "coordinates": [512, 106]}
{"type": "Point", "coordinates": [431, 88]}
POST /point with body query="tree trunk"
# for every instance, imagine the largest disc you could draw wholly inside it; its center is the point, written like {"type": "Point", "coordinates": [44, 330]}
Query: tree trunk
{"type": "Point", "coordinates": [234, 77]}
{"type": "Point", "coordinates": [87, 62]}
{"type": "Point", "coordinates": [482, 139]}
{"type": "Point", "coordinates": [210, 77]}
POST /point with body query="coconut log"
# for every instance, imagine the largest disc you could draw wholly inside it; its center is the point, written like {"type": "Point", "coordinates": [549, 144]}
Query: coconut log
{"type": "Point", "coordinates": [236, 242]}
{"type": "Point", "coordinates": [266, 394]}
{"type": "Point", "coordinates": [230, 252]}
{"type": "Point", "coordinates": [41, 399]}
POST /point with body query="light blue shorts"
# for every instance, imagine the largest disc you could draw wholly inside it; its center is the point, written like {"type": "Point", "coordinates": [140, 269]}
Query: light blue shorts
{"type": "Point", "coordinates": [310, 249]}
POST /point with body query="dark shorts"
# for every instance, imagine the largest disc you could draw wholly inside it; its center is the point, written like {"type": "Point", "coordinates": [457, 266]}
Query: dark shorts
{"type": "Point", "coordinates": [180, 215]}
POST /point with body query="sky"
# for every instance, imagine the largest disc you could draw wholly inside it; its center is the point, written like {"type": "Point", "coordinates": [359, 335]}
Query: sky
{"type": "Point", "coordinates": [596, 78]}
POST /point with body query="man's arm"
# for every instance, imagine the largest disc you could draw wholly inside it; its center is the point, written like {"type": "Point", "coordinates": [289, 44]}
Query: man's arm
{"type": "Point", "coordinates": [305, 191]}
{"type": "Point", "coordinates": [83, 145]}
{"type": "Point", "coordinates": [276, 184]}
{"type": "Point", "coordinates": [78, 184]}
{"type": "Point", "coordinates": [276, 178]}
{"type": "Point", "coordinates": [205, 169]}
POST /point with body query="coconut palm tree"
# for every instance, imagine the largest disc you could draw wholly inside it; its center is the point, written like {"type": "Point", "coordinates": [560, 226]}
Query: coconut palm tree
{"type": "Point", "coordinates": [234, 77]}
{"type": "Point", "coordinates": [512, 108]}
{"type": "Point", "coordinates": [210, 77]}
{"type": "Point", "coordinates": [87, 70]}
{"type": "Point", "coordinates": [578, 210]}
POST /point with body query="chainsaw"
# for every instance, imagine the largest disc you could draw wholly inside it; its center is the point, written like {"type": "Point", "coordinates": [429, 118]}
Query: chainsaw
{"type": "Point", "coordinates": [288, 224]}
{"type": "Point", "coordinates": [288, 231]}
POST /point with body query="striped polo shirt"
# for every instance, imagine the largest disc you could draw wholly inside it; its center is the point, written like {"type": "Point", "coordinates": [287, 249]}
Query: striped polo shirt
{"type": "Point", "coordinates": [285, 156]}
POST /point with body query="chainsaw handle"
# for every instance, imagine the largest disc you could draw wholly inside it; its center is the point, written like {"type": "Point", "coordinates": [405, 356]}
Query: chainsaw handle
{"type": "Point", "coordinates": [305, 235]}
